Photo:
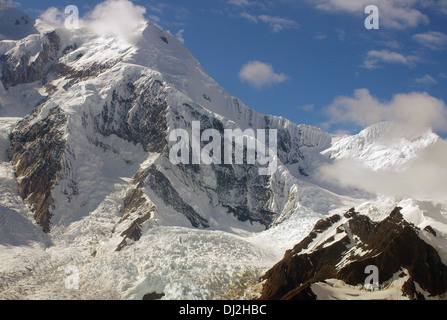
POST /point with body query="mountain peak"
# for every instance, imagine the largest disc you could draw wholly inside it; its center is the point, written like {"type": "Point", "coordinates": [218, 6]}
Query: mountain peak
{"type": "Point", "coordinates": [14, 24]}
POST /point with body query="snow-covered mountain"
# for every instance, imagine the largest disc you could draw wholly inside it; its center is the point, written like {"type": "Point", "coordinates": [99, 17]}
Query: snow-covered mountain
{"type": "Point", "coordinates": [106, 111]}
{"type": "Point", "coordinates": [374, 148]}
{"type": "Point", "coordinates": [15, 25]}
{"type": "Point", "coordinates": [87, 181]}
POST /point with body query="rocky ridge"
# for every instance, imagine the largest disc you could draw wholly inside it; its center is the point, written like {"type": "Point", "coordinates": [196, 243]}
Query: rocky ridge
{"type": "Point", "coordinates": [342, 247]}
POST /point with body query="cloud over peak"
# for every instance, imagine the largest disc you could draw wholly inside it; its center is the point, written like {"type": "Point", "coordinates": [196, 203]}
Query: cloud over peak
{"type": "Point", "coordinates": [117, 17]}
{"type": "Point", "coordinates": [411, 113]}
{"type": "Point", "coordinates": [120, 18]}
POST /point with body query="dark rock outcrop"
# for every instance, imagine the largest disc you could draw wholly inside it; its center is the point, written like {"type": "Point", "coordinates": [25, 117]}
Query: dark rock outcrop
{"type": "Point", "coordinates": [38, 150]}
{"type": "Point", "coordinates": [392, 245]}
{"type": "Point", "coordinates": [136, 211]}
{"type": "Point", "coordinates": [20, 67]}
{"type": "Point", "coordinates": [153, 296]}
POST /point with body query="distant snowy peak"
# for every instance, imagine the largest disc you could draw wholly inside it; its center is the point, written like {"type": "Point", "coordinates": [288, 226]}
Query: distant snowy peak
{"type": "Point", "coordinates": [15, 25]}
{"type": "Point", "coordinates": [378, 147]}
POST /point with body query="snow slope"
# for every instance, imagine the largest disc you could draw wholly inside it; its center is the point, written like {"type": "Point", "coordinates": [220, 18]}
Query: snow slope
{"type": "Point", "coordinates": [375, 148]}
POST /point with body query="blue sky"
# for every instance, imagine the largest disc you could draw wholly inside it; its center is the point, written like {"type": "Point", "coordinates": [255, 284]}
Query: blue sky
{"type": "Point", "coordinates": [307, 59]}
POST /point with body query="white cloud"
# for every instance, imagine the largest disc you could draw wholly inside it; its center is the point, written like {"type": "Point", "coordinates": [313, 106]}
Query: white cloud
{"type": "Point", "coordinates": [306, 108]}
{"type": "Point", "coordinates": [246, 3]}
{"type": "Point", "coordinates": [410, 113]}
{"type": "Point", "coordinates": [375, 57]}
{"type": "Point", "coordinates": [396, 14]}
{"type": "Point", "coordinates": [119, 18]}
{"type": "Point", "coordinates": [276, 24]}
{"type": "Point", "coordinates": [54, 17]}
{"type": "Point", "coordinates": [240, 3]}
{"type": "Point", "coordinates": [410, 116]}
{"type": "Point", "coordinates": [320, 36]}
{"type": "Point", "coordinates": [426, 80]}
{"type": "Point", "coordinates": [433, 40]}
{"type": "Point", "coordinates": [424, 177]}
{"type": "Point", "coordinates": [259, 74]}
{"type": "Point", "coordinates": [249, 17]}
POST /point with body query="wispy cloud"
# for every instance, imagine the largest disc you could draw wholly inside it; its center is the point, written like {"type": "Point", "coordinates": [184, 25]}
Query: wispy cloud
{"type": "Point", "coordinates": [375, 58]}
{"type": "Point", "coordinates": [259, 74]}
{"type": "Point", "coordinates": [396, 14]}
{"type": "Point", "coordinates": [306, 108]}
{"type": "Point", "coordinates": [249, 17]}
{"type": "Point", "coordinates": [54, 17]}
{"type": "Point", "coordinates": [247, 3]}
{"type": "Point", "coordinates": [278, 23]}
{"type": "Point", "coordinates": [426, 80]}
{"type": "Point", "coordinates": [240, 3]}
{"type": "Point", "coordinates": [275, 23]}
{"type": "Point", "coordinates": [320, 36]}
{"type": "Point", "coordinates": [433, 40]}
{"type": "Point", "coordinates": [168, 15]}
{"type": "Point", "coordinates": [410, 113]}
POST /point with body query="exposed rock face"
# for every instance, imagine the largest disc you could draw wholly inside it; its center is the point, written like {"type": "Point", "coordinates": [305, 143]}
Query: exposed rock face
{"type": "Point", "coordinates": [38, 152]}
{"type": "Point", "coordinates": [163, 188]}
{"type": "Point", "coordinates": [153, 296]}
{"type": "Point", "coordinates": [342, 247]}
{"type": "Point", "coordinates": [136, 114]}
{"type": "Point", "coordinates": [21, 67]}
{"type": "Point", "coordinates": [137, 210]}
